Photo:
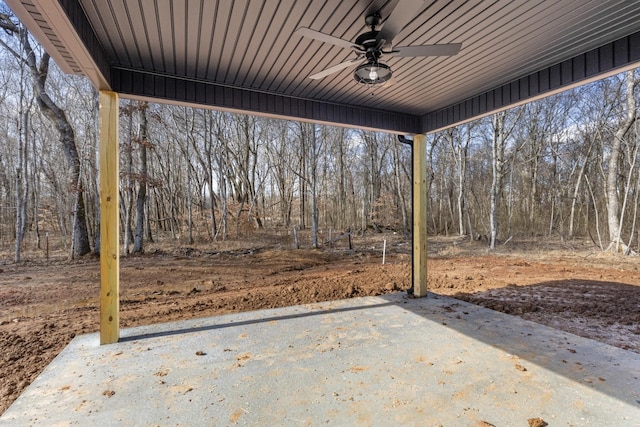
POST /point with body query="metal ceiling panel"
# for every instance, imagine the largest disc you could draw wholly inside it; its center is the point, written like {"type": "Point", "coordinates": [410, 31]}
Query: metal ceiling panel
{"type": "Point", "coordinates": [248, 50]}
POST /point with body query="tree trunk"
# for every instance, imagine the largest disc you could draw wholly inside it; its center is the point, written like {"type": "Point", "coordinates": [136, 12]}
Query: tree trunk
{"type": "Point", "coordinates": [21, 203]}
{"type": "Point", "coordinates": [497, 164]}
{"type": "Point", "coordinates": [35, 191]}
{"type": "Point", "coordinates": [302, 177]}
{"type": "Point", "coordinates": [222, 179]}
{"type": "Point", "coordinates": [342, 190]}
{"type": "Point", "coordinates": [613, 199]}
{"type": "Point", "coordinates": [147, 216]}
{"type": "Point", "coordinates": [128, 190]}
{"type": "Point", "coordinates": [189, 198]}
{"type": "Point", "coordinates": [314, 185]}
{"type": "Point", "coordinates": [22, 183]}
{"type": "Point", "coordinates": [138, 241]}
{"type": "Point", "coordinates": [402, 200]}
{"type": "Point", "coordinates": [576, 188]}
{"type": "Point", "coordinates": [459, 151]}
{"type": "Point", "coordinates": [212, 198]}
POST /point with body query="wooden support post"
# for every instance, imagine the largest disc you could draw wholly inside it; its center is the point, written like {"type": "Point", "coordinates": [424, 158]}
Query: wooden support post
{"type": "Point", "coordinates": [419, 215]}
{"type": "Point", "coordinates": [109, 220]}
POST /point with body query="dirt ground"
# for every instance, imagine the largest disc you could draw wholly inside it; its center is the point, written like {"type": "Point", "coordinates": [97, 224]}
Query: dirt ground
{"type": "Point", "coordinates": [572, 287]}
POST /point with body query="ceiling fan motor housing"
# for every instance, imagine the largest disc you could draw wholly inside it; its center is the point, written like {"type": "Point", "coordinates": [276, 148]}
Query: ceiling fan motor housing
{"type": "Point", "coordinates": [369, 44]}
{"type": "Point", "coordinates": [373, 20]}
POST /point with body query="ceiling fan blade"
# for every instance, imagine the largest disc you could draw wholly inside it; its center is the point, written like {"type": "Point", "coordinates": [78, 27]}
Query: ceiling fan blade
{"type": "Point", "coordinates": [331, 70]}
{"type": "Point", "coordinates": [427, 50]}
{"type": "Point", "coordinates": [401, 15]}
{"type": "Point", "coordinates": [326, 38]}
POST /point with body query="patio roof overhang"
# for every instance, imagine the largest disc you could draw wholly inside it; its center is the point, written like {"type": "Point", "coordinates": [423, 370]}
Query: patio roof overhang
{"type": "Point", "coordinates": [245, 55]}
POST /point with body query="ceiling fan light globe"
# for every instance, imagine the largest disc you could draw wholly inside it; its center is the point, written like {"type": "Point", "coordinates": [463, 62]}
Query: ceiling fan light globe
{"type": "Point", "coordinates": [372, 73]}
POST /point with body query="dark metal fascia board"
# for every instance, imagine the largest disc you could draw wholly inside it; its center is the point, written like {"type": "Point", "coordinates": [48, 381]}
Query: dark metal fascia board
{"type": "Point", "coordinates": [156, 86]}
{"type": "Point", "coordinates": [604, 61]}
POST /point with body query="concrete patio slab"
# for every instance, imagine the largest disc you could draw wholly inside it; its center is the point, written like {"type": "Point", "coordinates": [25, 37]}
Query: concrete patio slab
{"type": "Point", "coordinates": [378, 361]}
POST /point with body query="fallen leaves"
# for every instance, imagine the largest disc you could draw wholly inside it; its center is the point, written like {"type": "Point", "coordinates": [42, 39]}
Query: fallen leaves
{"type": "Point", "coordinates": [537, 422]}
{"type": "Point", "coordinates": [519, 367]}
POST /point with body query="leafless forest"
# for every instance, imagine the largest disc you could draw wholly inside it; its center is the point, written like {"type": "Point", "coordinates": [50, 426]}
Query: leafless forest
{"type": "Point", "coordinates": [561, 167]}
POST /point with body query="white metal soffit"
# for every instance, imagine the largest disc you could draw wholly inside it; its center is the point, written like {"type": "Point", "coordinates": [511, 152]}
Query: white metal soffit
{"type": "Point", "coordinates": [249, 48]}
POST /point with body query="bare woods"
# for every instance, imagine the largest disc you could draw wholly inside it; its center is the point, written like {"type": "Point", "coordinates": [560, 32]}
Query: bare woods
{"type": "Point", "coordinates": [561, 167]}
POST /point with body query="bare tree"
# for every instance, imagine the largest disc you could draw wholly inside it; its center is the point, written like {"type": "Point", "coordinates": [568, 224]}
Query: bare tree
{"type": "Point", "coordinates": [143, 181]}
{"type": "Point", "coordinates": [22, 173]}
{"type": "Point", "coordinates": [57, 116]}
{"type": "Point", "coordinates": [459, 140]}
{"type": "Point", "coordinates": [396, 150]}
{"type": "Point", "coordinates": [282, 168]}
{"type": "Point", "coordinates": [126, 188]}
{"type": "Point", "coordinates": [503, 124]}
{"type": "Point", "coordinates": [612, 188]}
{"type": "Point", "coordinates": [558, 164]}
{"type": "Point", "coordinates": [209, 141]}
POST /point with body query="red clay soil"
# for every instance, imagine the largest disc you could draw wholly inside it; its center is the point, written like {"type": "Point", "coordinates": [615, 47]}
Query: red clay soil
{"type": "Point", "coordinates": [45, 304]}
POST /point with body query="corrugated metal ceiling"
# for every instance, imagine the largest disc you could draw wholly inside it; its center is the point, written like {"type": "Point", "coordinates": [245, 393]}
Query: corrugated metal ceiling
{"type": "Point", "coordinates": [252, 44]}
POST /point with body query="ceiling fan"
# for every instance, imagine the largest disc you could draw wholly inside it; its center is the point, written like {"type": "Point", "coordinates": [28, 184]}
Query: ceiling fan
{"type": "Point", "coordinates": [369, 47]}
